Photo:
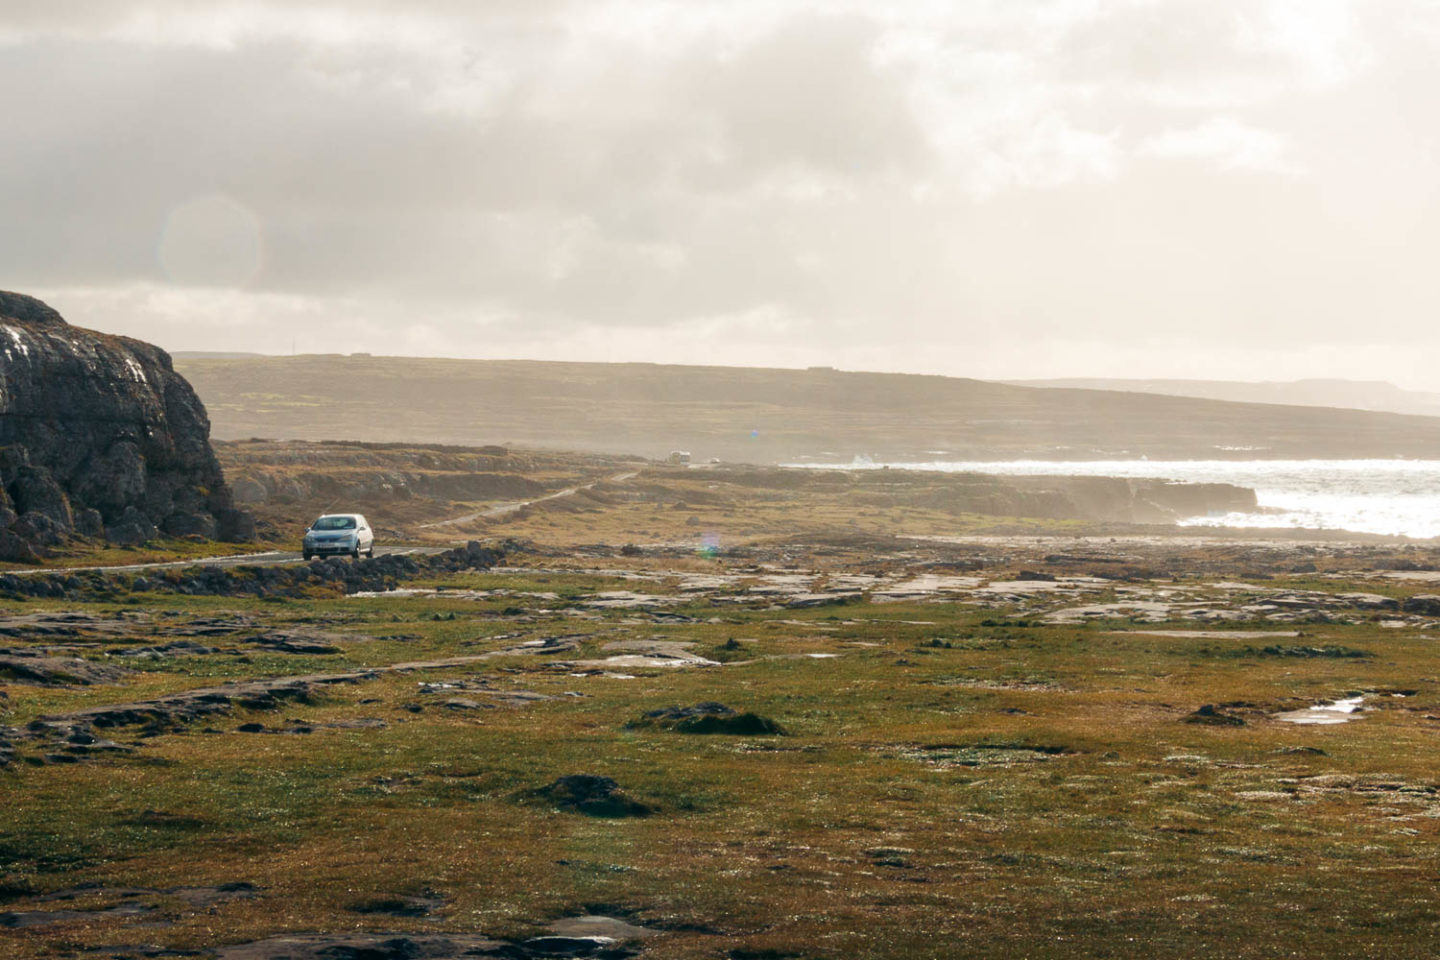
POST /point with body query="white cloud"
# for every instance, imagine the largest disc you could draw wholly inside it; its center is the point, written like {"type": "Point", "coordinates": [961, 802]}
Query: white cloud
{"type": "Point", "coordinates": [788, 179]}
{"type": "Point", "coordinates": [1226, 142]}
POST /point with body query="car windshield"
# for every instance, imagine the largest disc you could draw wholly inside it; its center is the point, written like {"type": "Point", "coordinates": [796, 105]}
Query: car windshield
{"type": "Point", "coordinates": [334, 523]}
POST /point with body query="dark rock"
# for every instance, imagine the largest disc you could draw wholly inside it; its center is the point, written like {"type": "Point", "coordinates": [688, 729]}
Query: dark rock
{"type": "Point", "coordinates": [44, 918]}
{"type": "Point", "coordinates": [34, 490]}
{"type": "Point", "coordinates": [372, 946]}
{"type": "Point", "coordinates": [98, 433]}
{"type": "Point", "coordinates": [131, 528]}
{"type": "Point", "coordinates": [39, 529]}
{"type": "Point", "coordinates": [460, 703]}
{"type": "Point", "coordinates": [710, 717]}
{"type": "Point", "coordinates": [1213, 717]}
{"type": "Point", "coordinates": [89, 522]}
{"type": "Point", "coordinates": [177, 648]}
{"type": "Point", "coordinates": [593, 795]}
{"type": "Point", "coordinates": [558, 946]}
{"type": "Point", "coordinates": [421, 906]}
{"type": "Point", "coordinates": [286, 641]}
{"type": "Point", "coordinates": [1425, 604]}
{"type": "Point", "coordinates": [55, 671]}
{"type": "Point", "coordinates": [234, 525]}
{"type": "Point", "coordinates": [16, 549]}
{"type": "Point", "coordinates": [341, 575]}
{"type": "Point", "coordinates": [191, 525]}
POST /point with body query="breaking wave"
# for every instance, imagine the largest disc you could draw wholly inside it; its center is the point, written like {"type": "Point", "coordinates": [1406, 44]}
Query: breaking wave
{"type": "Point", "coordinates": [1393, 497]}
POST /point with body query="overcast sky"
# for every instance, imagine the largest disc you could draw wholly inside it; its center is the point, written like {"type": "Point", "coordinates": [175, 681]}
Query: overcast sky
{"type": "Point", "coordinates": [991, 188]}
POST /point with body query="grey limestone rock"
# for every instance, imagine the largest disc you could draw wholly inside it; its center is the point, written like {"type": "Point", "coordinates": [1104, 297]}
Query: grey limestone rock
{"type": "Point", "coordinates": [99, 436]}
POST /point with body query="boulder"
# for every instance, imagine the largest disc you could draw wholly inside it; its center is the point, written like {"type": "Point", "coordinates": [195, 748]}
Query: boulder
{"type": "Point", "coordinates": [190, 525]}
{"type": "Point", "coordinates": [1425, 604]}
{"type": "Point", "coordinates": [99, 436]}
{"type": "Point", "coordinates": [131, 528]}
{"type": "Point", "coordinates": [594, 796]}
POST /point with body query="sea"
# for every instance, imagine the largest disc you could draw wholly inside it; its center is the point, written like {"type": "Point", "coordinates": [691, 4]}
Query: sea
{"type": "Point", "coordinates": [1392, 497]}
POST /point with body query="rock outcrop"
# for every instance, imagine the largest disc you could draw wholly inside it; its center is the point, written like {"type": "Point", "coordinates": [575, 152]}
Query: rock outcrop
{"type": "Point", "coordinates": [100, 438]}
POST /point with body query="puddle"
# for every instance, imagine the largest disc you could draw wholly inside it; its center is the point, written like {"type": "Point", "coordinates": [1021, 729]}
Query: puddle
{"type": "Point", "coordinates": [1325, 714]}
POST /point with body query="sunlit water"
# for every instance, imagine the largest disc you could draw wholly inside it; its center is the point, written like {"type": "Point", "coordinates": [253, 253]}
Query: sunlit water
{"type": "Point", "coordinates": [1398, 497]}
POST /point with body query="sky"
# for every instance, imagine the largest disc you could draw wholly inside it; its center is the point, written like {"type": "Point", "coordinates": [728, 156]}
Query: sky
{"type": "Point", "coordinates": [1234, 189]}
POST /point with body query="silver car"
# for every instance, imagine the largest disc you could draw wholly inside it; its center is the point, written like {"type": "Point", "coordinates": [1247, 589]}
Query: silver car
{"type": "Point", "coordinates": [337, 533]}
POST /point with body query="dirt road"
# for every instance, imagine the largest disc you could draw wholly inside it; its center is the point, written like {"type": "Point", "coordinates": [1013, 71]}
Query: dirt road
{"type": "Point", "coordinates": [501, 509]}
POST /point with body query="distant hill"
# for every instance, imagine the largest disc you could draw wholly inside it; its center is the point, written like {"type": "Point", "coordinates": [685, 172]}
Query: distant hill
{"type": "Point", "coordinates": [1354, 394]}
{"type": "Point", "coordinates": [212, 354]}
{"type": "Point", "coordinates": [761, 415]}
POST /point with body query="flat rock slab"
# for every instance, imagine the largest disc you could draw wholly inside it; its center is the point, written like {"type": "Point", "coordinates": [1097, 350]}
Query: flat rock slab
{"type": "Point", "coordinates": [301, 641]}
{"type": "Point", "coordinates": [21, 920]}
{"type": "Point", "coordinates": [598, 926]}
{"type": "Point", "coordinates": [193, 704]}
{"type": "Point", "coordinates": [1141, 610]}
{"type": "Point", "coordinates": [545, 646]}
{"type": "Point", "coordinates": [800, 600]}
{"type": "Point", "coordinates": [56, 671]}
{"type": "Point", "coordinates": [646, 653]}
{"type": "Point", "coordinates": [369, 947]}
{"type": "Point", "coordinates": [67, 624]}
{"type": "Point", "coordinates": [212, 627]}
{"type": "Point", "coordinates": [919, 588]}
{"type": "Point", "coordinates": [1211, 634]}
{"type": "Point", "coordinates": [625, 600]}
{"type": "Point", "coordinates": [1028, 587]}
{"type": "Point", "coordinates": [129, 905]}
{"type": "Point", "coordinates": [177, 648]}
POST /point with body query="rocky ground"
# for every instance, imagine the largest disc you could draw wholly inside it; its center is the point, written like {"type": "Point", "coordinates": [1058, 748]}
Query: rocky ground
{"type": "Point", "coordinates": [840, 745]}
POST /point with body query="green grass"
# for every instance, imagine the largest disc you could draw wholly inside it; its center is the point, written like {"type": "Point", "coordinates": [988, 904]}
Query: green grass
{"type": "Point", "coordinates": [954, 789]}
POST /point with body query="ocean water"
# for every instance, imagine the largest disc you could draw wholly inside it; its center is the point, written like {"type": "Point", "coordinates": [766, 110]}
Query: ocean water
{"type": "Point", "coordinates": [1397, 497]}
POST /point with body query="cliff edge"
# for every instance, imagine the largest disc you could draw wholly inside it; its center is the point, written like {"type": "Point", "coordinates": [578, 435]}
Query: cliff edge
{"type": "Point", "coordinates": [100, 438]}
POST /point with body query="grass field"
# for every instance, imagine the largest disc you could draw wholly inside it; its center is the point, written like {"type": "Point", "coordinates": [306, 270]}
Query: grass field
{"type": "Point", "coordinates": [959, 774]}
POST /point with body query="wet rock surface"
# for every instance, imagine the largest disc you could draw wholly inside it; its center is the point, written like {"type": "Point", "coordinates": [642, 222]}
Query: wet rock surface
{"type": "Point", "coordinates": [100, 438]}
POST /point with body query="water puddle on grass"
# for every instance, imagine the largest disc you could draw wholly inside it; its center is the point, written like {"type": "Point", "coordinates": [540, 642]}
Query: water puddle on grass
{"type": "Point", "coordinates": [1325, 714]}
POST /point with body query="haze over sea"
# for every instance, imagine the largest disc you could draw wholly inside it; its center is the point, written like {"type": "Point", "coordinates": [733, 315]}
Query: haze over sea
{"type": "Point", "coordinates": [1397, 497]}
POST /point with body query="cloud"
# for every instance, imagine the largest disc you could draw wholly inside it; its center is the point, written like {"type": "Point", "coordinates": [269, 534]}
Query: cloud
{"type": "Point", "coordinates": [1228, 143]}
{"type": "Point", "coordinates": [793, 178]}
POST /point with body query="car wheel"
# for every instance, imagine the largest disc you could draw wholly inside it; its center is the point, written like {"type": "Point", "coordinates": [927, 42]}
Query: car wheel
{"type": "Point", "coordinates": [308, 555]}
{"type": "Point", "coordinates": [371, 552]}
{"type": "Point", "coordinates": [355, 554]}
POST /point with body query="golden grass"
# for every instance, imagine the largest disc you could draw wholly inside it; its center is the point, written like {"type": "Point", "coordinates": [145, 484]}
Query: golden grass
{"type": "Point", "coordinates": [909, 813]}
